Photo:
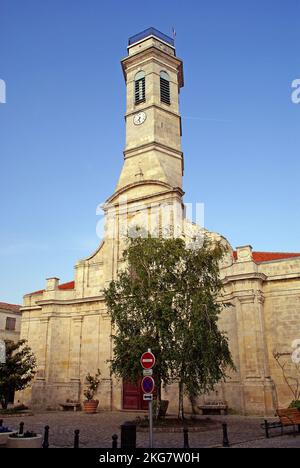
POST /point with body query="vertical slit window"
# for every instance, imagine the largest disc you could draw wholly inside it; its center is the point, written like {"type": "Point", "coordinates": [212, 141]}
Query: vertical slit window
{"type": "Point", "coordinates": [165, 95]}
{"type": "Point", "coordinates": [140, 88]}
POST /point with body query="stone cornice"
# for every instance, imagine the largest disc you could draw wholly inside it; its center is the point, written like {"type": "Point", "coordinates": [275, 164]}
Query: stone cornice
{"type": "Point", "coordinates": [151, 53]}
{"type": "Point", "coordinates": [160, 108]}
{"type": "Point", "coordinates": [159, 55]}
{"type": "Point", "coordinates": [245, 277]}
{"type": "Point", "coordinates": [246, 298]}
{"type": "Point", "coordinates": [70, 315]}
{"type": "Point", "coordinates": [285, 277]}
{"type": "Point", "coordinates": [168, 190]}
{"type": "Point", "coordinates": [44, 319]}
{"type": "Point", "coordinates": [283, 293]}
{"type": "Point", "coordinates": [138, 150]}
{"type": "Point", "coordinates": [30, 308]}
{"type": "Point", "coordinates": [71, 301]}
{"type": "Point", "coordinates": [76, 319]}
{"type": "Point", "coordinates": [249, 297]}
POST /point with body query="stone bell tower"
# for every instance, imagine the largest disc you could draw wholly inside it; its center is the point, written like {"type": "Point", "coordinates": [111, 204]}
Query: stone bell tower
{"type": "Point", "coordinates": [153, 159]}
{"type": "Point", "coordinates": [154, 76]}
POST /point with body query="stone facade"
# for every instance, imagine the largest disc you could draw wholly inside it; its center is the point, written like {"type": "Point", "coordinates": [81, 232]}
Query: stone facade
{"type": "Point", "coordinates": [68, 327]}
{"type": "Point", "coordinates": [10, 322]}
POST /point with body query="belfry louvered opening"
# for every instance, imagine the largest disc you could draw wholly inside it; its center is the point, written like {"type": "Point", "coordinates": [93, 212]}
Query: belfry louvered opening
{"type": "Point", "coordinates": [140, 87]}
{"type": "Point", "coordinates": [165, 95]}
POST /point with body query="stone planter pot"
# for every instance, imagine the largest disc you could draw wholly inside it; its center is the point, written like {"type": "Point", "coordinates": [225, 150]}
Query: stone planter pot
{"type": "Point", "coordinates": [90, 406]}
{"type": "Point", "coordinates": [25, 442]}
{"type": "Point", "coordinates": [4, 437]}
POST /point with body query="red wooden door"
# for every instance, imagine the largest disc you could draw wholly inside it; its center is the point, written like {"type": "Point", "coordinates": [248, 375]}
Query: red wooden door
{"type": "Point", "coordinates": [133, 397]}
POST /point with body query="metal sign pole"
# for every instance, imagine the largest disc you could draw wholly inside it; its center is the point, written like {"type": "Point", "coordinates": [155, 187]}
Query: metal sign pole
{"type": "Point", "coordinates": [150, 424]}
{"type": "Point", "coordinates": [150, 419]}
{"type": "Point", "coordinates": [148, 386]}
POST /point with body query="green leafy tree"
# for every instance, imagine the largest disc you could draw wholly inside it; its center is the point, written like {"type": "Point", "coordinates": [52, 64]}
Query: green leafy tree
{"type": "Point", "coordinates": [18, 371]}
{"type": "Point", "coordinates": [166, 299]}
{"type": "Point", "coordinates": [201, 350]}
{"type": "Point", "coordinates": [140, 303]}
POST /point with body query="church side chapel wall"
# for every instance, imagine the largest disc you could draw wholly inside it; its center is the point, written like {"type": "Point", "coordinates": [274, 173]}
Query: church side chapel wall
{"type": "Point", "coordinates": [72, 340]}
{"type": "Point", "coordinates": [69, 342]}
{"type": "Point", "coordinates": [282, 316]}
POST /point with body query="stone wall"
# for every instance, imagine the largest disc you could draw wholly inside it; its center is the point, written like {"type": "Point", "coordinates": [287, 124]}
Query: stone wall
{"type": "Point", "coordinates": [71, 337]}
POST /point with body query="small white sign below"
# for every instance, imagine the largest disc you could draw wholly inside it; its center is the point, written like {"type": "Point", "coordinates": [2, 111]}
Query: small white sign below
{"type": "Point", "coordinates": [148, 397]}
{"type": "Point", "coordinates": [147, 372]}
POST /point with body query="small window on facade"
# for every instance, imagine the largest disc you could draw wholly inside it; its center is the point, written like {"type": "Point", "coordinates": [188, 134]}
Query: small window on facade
{"type": "Point", "coordinates": [10, 324]}
{"type": "Point", "coordinates": [140, 88]}
{"type": "Point", "coordinates": [165, 96]}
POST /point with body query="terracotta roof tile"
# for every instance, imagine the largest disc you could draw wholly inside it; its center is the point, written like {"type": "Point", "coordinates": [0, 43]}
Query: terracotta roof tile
{"type": "Point", "coordinates": [70, 285]}
{"type": "Point", "coordinates": [10, 307]}
{"type": "Point", "coordinates": [63, 287]}
{"type": "Point", "coordinates": [260, 257]}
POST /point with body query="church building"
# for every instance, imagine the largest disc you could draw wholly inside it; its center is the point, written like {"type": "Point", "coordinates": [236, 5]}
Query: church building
{"type": "Point", "coordinates": [67, 325]}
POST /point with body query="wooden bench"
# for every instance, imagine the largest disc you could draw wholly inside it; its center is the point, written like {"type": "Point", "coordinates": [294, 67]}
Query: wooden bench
{"type": "Point", "coordinates": [70, 406]}
{"type": "Point", "coordinates": [213, 407]}
{"type": "Point", "coordinates": [287, 417]}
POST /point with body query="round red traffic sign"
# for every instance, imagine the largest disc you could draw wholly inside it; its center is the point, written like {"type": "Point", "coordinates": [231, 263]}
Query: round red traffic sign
{"type": "Point", "coordinates": [148, 385]}
{"type": "Point", "coordinates": [147, 360]}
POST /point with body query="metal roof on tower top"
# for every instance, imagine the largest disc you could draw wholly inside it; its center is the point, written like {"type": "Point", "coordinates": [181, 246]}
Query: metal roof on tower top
{"type": "Point", "coordinates": [151, 32]}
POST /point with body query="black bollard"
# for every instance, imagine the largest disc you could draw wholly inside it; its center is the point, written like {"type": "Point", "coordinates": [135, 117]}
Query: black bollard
{"type": "Point", "coordinates": [76, 438]}
{"type": "Point", "coordinates": [186, 444]}
{"type": "Point", "coordinates": [46, 438]}
{"type": "Point", "coordinates": [21, 429]}
{"type": "Point", "coordinates": [114, 441]}
{"type": "Point", "coordinates": [128, 436]}
{"type": "Point", "coordinates": [267, 429]}
{"type": "Point", "coordinates": [1, 422]}
{"type": "Point", "coordinates": [225, 436]}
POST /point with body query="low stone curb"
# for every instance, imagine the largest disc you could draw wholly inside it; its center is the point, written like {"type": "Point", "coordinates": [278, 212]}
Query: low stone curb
{"type": "Point", "coordinates": [175, 429]}
{"type": "Point", "coordinates": [15, 415]}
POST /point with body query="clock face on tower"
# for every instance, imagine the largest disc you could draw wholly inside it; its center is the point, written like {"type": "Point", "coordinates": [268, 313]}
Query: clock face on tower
{"type": "Point", "coordinates": [139, 118]}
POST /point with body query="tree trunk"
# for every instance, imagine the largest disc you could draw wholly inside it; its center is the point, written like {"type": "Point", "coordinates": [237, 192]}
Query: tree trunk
{"type": "Point", "coordinates": [180, 401]}
{"type": "Point", "coordinates": [193, 404]}
{"type": "Point", "coordinates": [4, 403]}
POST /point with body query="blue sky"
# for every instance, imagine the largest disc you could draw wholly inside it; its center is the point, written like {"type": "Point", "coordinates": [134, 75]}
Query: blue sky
{"type": "Point", "coordinates": [62, 129]}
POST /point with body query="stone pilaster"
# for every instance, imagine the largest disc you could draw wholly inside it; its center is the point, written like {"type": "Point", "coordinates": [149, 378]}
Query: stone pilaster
{"type": "Point", "coordinates": [42, 350]}
{"type": "Point", "coordinates": [255, 373]}
{"type": "Point", "coordinates": [75, 355]}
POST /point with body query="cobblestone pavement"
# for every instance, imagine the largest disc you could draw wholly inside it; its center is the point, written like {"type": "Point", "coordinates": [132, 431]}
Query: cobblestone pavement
{"type": "Point", "coordinates": [96, 431]}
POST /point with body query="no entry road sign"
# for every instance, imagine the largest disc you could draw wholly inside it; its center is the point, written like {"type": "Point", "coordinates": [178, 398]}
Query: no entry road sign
{"type": "Point", "coordinates": [148, 385]}
{"type": "Point", "coordinates": [147, 360]}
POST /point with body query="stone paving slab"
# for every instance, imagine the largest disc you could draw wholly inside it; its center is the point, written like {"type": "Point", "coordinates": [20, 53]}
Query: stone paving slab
{"type": "Point", "coordinates": [96, 431]}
